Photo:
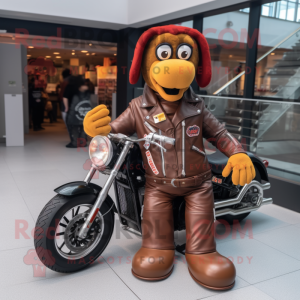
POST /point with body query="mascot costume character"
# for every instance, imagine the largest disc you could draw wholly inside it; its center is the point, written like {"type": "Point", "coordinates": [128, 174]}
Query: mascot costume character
{"type": "Point", "coordinates": [169, 58]}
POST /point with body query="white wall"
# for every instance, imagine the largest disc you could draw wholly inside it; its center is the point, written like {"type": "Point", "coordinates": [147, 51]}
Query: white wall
{"type": "Point", "coordinates": [97, 13]}
{"type": "Point", "coordinates": [114, 14]}
{"type": "Point", "coordinates": [12, 62]}
{"type": "Point", "coordinates": [145, 12]}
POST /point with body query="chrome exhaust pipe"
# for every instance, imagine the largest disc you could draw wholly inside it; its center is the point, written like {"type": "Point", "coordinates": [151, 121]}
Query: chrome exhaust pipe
{"type": "Point", "coordinates": [239, 197]}
{"type": "Point", "coordinates": [235, 212]}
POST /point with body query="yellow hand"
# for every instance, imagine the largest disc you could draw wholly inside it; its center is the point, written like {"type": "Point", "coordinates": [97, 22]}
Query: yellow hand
{"type": "Point", "coordinates": [96, 121]}
{"type": "Point", "coordinates": [242, 167]}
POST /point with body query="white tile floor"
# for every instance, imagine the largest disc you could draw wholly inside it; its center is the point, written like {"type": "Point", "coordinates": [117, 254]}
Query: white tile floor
{"type": "Point", "coordinates": [266, 256]}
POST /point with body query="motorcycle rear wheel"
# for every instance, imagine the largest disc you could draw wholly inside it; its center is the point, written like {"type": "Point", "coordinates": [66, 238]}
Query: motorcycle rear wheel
{"type": "Point", "coordinates": [49, 228]}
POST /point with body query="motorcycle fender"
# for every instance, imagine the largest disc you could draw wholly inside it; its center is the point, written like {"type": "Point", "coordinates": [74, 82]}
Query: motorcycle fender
{"type": "Point", "coordinates": [80, 187]}
{"type": "Point", "coordinates": [260, 166]}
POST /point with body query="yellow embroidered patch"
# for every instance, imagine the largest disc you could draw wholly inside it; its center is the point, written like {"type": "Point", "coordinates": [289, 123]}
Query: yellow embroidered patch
{"type": "Point", "coordinates": [159, 118]}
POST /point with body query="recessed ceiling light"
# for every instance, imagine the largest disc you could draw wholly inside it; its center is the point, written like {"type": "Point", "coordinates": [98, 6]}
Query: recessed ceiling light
{"type": "Point", "coordinates": [48, 56]}
{"type": "Point", "coordinates": [58, 56]}
{"type": "Point", "coordinates": [31, 47]}
{"type": "Point", "coordinates": [230, 55]}
{"type": "Point", "coordinates": [87, 54]}
{"type": "Point", "coordinates": [55, 53]}
{"type": "Point", "coordinates": [272, 53]}
{"type": "Point", "coordinates": [84, 51]}
{"type": "Point", "coordinates": [115, 54]}
{"type": "Point", "coordinates": [93, 53]}
{"type": "Point", "coordinates": [28, 55]}
{"type": "Point", "coordinates": [90, 44]}
{"type": "Point", "coordinates": [73, 53]}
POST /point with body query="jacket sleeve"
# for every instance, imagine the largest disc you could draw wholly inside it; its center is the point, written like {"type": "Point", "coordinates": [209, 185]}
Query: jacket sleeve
{"type": "Point", "coordinates": [217, 134]}
{"type": "Point", "coordinates": [125, 123]}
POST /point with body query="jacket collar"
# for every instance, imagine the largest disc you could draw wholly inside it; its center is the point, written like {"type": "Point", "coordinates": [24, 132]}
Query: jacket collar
{"type": "Point", "coordinates": [185, 109]}
{"type": "Point", "coordinates": [149, 98]}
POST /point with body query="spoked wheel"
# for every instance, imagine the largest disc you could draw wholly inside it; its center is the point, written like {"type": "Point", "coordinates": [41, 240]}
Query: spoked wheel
{"type": "Point", "coordinates": [66, 237]}
{"type": "Point", "coordinates": [56, 233]}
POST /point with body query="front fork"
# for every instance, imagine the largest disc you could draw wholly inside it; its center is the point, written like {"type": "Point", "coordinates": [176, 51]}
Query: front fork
{"type": "Point", "coordinates": [103, 194]}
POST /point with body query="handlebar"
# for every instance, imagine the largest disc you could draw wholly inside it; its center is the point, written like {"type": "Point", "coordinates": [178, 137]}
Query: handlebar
{"type": "Point", "coordinates": [150, 138]}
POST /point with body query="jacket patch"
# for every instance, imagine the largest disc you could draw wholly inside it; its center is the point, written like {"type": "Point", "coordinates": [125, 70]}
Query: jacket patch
{"type": "Point", "coordinates": [159, 118]}
{"type": "Point", "coordinates": [193, 130]}
{"type": "Point", "coordinates": [147, 144]}
{"type": "Point", "coordinates": [151, 163]}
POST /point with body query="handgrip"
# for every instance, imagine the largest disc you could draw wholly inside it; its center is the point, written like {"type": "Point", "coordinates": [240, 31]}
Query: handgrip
{"type": "Point", "coordinates": [164, 139]}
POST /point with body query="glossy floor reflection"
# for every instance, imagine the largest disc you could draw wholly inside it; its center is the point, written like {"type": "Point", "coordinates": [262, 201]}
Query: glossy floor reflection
{"type": "Point", "coordinates": [266, 253]}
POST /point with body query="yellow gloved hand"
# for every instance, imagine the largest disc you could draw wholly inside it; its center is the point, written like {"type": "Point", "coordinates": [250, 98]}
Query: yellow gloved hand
{"type": "Point", "coordinates": [242, 167]}
{"type": "Point", "coordinates": [96, 121]}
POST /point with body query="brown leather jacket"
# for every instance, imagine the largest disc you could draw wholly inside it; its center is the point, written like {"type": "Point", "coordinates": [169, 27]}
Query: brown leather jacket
{"type": "Point", "coordinates": [191, 123]}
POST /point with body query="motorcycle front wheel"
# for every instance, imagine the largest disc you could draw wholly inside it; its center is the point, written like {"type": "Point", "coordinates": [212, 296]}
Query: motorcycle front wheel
{"type": "Point", "coordinates": [55, 237]}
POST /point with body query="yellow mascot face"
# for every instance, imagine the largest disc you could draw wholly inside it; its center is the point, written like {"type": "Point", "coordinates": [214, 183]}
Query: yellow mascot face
{"type": "Point", "coordinates": [169, 64]}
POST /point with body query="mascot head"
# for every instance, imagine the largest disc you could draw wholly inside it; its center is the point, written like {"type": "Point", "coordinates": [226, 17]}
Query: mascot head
{"type": "Point", "coordinates": [169, 58]}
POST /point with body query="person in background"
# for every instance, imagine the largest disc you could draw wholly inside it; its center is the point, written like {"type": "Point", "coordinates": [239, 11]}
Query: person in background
{"type": "Point", "coordinates": [237, 71]}
{"type": "Point", "coordinates": [36, 104]}
{"type": "Point", "coordinates": [90, 85]}
{"type": "Point", "coordinates": [76, 100]}
{"type": "Point", "coordinates": [60, 91]}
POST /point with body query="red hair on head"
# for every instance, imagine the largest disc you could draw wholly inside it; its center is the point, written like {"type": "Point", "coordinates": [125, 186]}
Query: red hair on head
{"type": "Point", "coordinates": [203, 74]}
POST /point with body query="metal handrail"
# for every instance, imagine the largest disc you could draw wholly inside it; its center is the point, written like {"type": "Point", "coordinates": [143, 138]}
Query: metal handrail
{"type": "Point", "coordinates": [248, 99]}
{"type": "Point", "coordinates": [258, 60]}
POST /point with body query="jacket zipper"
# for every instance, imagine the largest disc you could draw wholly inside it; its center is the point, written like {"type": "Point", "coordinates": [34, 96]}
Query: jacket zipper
{"type": "Point", "coordinates": [232, 138]}
{"type": "Point", "coordinates": [162, 157]}
{"type": "Point", "coordinates": [198, 150]}
{"type": "Point", "coordinates": [183, 148]}
{"type": "Point", "coordinates": [149, 127]}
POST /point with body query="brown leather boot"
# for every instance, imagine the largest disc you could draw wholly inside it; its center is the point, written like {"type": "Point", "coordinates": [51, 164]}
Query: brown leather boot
{"type": "Point", "coordinates": [153, 264]}
{"type": "Point", "coordinates": [154, 261]}
{"type": "Point", "coordinates": [206, 266]}
{"type": "Point", "coordinates": [211, 270]}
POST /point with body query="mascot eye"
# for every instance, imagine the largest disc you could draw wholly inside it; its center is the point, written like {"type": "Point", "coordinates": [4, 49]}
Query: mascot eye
{"type": "Point", "coordinates": [163, 51]}
{"type": "Point", "coordinates": [184, 51]}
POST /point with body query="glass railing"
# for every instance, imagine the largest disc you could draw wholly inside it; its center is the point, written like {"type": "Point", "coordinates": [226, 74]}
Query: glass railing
{"type": "Point", "coordinates": [252, 123]}
{"type": "Point", "coordinates": [277, 71]}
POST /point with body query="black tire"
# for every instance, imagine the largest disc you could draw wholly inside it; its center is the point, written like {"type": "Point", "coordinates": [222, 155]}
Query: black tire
{"type": "Point", "coordinates": [44, 241]}
{"type": "Point", "coordinates": [231, 218]}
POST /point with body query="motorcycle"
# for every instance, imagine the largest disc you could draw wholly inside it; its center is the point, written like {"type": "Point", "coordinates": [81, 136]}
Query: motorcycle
{"type": "Point", "coordinates": [82, 214]}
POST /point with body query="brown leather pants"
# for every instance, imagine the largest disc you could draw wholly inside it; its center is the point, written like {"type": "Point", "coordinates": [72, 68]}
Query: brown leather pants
{"type": "Point", "coordinates": [158, 224]}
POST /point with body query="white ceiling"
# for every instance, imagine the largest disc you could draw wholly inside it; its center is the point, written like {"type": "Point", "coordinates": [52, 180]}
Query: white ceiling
{"type": "Point", "coordinates": [112, 14]}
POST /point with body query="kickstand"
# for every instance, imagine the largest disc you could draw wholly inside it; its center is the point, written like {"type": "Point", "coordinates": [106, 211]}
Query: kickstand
{"type": "Point", "coordinates": [180, 249]}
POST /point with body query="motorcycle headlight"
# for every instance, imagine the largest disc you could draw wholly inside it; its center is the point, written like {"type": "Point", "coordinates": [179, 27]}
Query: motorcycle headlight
{"type": "Point", "coordinates": [101, 151]}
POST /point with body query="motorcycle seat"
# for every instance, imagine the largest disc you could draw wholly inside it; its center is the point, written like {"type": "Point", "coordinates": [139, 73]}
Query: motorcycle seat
{"type": "Point", "coordinates": [217, 162]}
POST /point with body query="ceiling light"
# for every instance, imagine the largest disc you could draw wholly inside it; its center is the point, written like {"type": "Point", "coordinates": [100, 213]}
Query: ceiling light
{"type": "Point", "coordinates": [55, 53]}
{"type": "Point", "coordinates": [84, 51]}
{"type": "Point", "coordinates": [230, 55]}
{"type": "Point", "coordinates": [31, 47]}
{"type": "Point", "coordinates": [28, 55]}
{"type": "Point", "coordinates": [48, 56]}
{"type": "Point", "coordinates": [90, 44]}
{"type": "Point", "coordinates": [73, 50]}
{"type": "Point", "coordinates": [73, 53]}
{"type": "Point", "coordinates": [272, 53]}
{"type": "Point", "coordinates": [58, 56]}
{"type": "Point", "coordinates": [87, 54]}
{"type": "Point", "coordinates": [93, 53]}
